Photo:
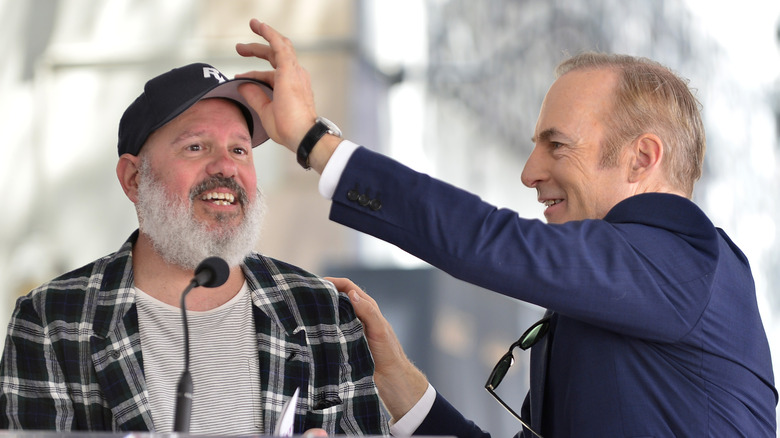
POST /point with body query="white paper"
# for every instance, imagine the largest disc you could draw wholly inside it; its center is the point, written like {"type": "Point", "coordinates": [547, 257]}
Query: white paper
{"type": "Point", "coordinates": [286, 421]}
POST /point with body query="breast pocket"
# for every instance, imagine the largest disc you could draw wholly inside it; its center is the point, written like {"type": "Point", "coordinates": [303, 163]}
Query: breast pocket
{"type": "Point", "coordinates": [326, 414]}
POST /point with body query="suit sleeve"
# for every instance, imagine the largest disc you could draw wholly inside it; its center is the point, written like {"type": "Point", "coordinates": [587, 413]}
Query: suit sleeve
{"type": "Point", "coordinates": [622, 276]}
{"type": "Point", "coordinates": [444, 419]}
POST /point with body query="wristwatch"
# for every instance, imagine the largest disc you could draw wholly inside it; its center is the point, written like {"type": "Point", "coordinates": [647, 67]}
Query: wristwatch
{"type": "Point", "coordinates": [321, 127]}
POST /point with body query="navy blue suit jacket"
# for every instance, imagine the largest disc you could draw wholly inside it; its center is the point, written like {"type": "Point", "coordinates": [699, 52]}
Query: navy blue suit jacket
{"type": "Point", "coordinates": [656, 329]}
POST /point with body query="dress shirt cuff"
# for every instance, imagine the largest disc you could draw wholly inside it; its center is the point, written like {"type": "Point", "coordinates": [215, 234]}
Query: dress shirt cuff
{"type": "Point", "coordinates": [406, 425]}
{"type": "Point", "coordinates": [331, 174]}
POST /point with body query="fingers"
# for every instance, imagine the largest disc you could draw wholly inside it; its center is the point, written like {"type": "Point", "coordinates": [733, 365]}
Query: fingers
{"type": "Point", "coordinates": [291, 112]}
{"type": "Point", "coordinates": [264, 76]}
{"type": "Point", "coordinates": [366, 309]}
{"type": "Point", "coordinates": [342, 284]}
{"type": "Point", "coordinates": [255, 25]}
{"type": "Point", "coordinates": [357, 296]}
{"type": "Point", "coordinates": [277, 45]}
{"type": "Point", "coordinates": [257, 50]}
{"type": "Point", "coordinates": [268, 33]}
{"type": "Point", "coordinates": [312, 433]}
{"type": "Point", "coordinates": [260, 101]}
{"type": "Point", "coordinates": [254, 95]}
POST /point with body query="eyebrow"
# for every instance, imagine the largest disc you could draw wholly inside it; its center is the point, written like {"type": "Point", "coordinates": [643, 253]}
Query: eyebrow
{"type": "Point", "coordinates": [187, 134]}
{"type": "Point", "coordinates": [200, 133]}
{"type": "Point", "coordinates": [547, 134]}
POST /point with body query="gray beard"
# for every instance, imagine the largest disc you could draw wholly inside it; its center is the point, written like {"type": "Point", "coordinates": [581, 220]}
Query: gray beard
{"type": "Point", "coordinates": [180, 239]}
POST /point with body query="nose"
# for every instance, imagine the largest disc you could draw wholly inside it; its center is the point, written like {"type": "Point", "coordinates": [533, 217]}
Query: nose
{"type": "Point", "coordinates": [533, 171]}
{"type": "Point", "coordinates": [222, 164]}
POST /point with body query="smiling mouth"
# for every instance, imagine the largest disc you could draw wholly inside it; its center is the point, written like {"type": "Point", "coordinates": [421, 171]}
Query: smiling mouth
{"type": "Point", "coordinates": [551, 202]}
{"type": "Point", "coordinates": [219, 198]}
{"type": "Point", "coordinates": [219, 191]}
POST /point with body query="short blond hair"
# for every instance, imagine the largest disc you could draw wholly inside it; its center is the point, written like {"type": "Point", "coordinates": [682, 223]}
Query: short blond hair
{"type": "Point", "coordinates": [650, 98]}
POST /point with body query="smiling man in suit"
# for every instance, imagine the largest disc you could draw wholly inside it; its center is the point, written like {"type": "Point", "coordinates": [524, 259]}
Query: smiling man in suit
{"type": "Point", "coordinates": [652, 326]}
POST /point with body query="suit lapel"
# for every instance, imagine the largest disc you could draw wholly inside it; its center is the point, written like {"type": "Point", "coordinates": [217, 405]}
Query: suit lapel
{"type": "Point", "coordinates": [115, 346]}
{"type": "Point", "coordinates": [283, 353]}
{"type": "Point", "coordinates": [116, 357]}
{"type": "Point", "coordinates": [282, 368]}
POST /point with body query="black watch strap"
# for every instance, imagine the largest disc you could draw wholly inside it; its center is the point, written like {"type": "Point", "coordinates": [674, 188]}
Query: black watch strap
{"type": "Point", "coordinates": [309, 140]}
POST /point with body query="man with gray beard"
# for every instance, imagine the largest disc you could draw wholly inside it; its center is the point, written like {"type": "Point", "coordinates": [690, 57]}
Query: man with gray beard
{"type": "Point", "coordinates": [101, 347]}
{"type": "Point", "coordinates": [179, 237]}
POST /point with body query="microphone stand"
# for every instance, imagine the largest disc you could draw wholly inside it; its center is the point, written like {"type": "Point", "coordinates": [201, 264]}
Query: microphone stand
{"type": "Point", "coordinates": [211, 272]}
{"type": "Point", "coordinates": [181, 422]}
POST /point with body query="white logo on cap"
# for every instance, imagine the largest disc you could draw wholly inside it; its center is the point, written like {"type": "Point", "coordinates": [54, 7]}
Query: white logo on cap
{"type": "Point", "coordinates": [211, 71]}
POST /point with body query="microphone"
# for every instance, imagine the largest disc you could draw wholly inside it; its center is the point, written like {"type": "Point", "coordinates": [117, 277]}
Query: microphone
{"type": "Point", "coordinates": [211, 272]}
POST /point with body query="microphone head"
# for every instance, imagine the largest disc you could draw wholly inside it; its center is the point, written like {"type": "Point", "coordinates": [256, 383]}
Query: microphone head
{"type": "Point", "coordinates": [211, 272]}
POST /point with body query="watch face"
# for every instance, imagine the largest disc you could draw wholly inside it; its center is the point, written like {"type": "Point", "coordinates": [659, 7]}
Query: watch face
{"type": "Point", "coordinates": [332, 128]}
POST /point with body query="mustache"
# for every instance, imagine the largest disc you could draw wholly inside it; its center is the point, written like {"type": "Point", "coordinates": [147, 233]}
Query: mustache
{"type": "Point", "coordinates": [215, 182]}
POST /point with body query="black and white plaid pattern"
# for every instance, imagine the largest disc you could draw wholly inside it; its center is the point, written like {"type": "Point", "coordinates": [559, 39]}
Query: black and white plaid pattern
{"type": "Point", "coordinates": [73, 360]}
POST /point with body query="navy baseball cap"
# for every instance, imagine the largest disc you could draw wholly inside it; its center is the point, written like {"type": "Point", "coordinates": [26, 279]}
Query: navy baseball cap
{"type": "Point", "coordinates": [170, 94]}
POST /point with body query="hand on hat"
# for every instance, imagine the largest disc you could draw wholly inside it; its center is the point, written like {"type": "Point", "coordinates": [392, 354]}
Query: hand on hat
{"type": "Point", "coordinates": [291, 113]}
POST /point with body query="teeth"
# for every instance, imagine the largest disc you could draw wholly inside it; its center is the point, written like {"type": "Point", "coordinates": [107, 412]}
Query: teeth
{"type": "Point", "coordinates": [219, 198]}
{"type": "Point", "coordinates": [551, 202]}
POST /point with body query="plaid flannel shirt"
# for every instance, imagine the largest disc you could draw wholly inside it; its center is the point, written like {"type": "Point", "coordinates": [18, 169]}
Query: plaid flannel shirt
{"type": "Point", "coordinates": [73, 355]}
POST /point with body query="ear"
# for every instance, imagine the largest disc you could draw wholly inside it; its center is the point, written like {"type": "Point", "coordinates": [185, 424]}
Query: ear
{"type": "Point", "coordinates": [648, 149]}
{"type": "Point", "coordinates": [127, 172]}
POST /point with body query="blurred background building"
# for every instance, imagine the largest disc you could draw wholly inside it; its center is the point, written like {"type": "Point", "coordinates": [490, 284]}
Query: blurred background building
{"type": "Point", "coordinates": [449, 87]}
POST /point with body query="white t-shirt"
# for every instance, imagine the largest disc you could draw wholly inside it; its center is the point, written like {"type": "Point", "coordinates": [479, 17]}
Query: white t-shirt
{"type": "Point", "coordinates": [223, 364]}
